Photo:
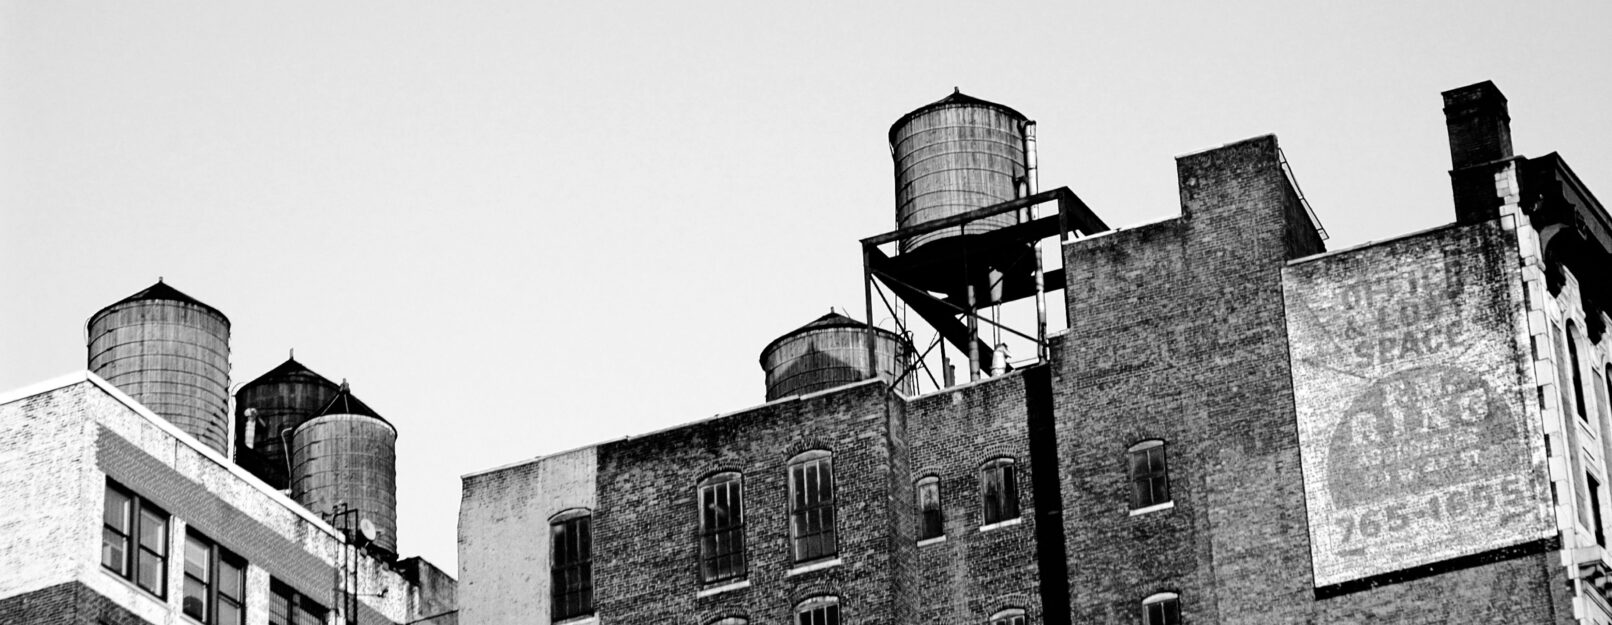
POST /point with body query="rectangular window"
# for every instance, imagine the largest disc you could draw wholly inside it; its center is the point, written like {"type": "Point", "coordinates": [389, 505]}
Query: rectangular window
{"type": "Point", "coordinates": [571, 567]}
{"type": "Point", "coordinates": [134, 539]}
{"type": "Point", "coordinates": [930, 522]}
{"type": "Point", "coordinates": [1150, 476]}
{"type": "Point", "coordinates": [288, 607]}
{"type": "Point", "coordinates": [215, 583]}
{"type": "Point", "coordinates": [1000, 487]}
{"type": "Point", "coordinates": [721, 527]}
{"type": "Point", "coordinates": [811, 506]}
{"type": "Point", "coordinates": [1595, 509]}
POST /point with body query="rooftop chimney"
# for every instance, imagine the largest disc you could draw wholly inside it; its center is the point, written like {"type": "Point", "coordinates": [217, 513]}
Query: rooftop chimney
{"type": "Point", "coordinates": [1480, 134]}
{"type": "Point", "coordinates": [1479, 125]}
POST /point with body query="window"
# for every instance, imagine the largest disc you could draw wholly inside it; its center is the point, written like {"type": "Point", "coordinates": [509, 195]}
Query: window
{"type": "Point", "coordinates": [215, 583]}
{"type": "Point", "coordinates": [1150, 479]}
{"type": "Point", "coordinates": [1000, 489]}
{"type": "Point", "coordinates": [1595, 508]}
{"type": "Point", "coordinates": [931, 524]}
{"type": "Point", "coordinates": [1162, 609]}
{"type": "Point", "coordinates": [571, 565]}
{"type": "Point", "coordinates": [811, 506]}
{"type": "Point", "coordinates": [1575, 371]}
{"type": "Point", "coordinates": [818, 611]}
{"type": "Point", "coordinates": [288, 607]}
{"type": "Point", "coordinates": [721, 498]}
{"type": "Point", "coordinates": [134, 539]}
{"type": "Point", "coordinates": [730, 620]}
{"type": "Point", "coordinates": [1011, 616]}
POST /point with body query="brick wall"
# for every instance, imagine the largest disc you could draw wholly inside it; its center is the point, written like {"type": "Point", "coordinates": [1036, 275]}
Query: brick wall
{"type": "Point", "coordinates": [69, 603]}
{"type": "Point", "coordinates": [972, 574]}
{"type": "Point", "coordinates": [646, 528]}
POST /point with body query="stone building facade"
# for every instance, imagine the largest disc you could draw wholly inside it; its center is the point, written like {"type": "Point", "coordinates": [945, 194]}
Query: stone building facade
{"type": "Point", "coordinates": [114, 516]}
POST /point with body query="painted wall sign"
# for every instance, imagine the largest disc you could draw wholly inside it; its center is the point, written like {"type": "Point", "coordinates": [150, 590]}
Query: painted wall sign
{"type": "Point", "coordinates": [1415, 445]}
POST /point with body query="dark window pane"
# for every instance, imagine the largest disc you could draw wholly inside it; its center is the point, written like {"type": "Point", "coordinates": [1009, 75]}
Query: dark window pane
{"type": "Point", "coordinates": [195, 600]}
{"type": "Point", "coordinates": [232, 580]}
{"type": "Point", "coordinates": [115, 551]}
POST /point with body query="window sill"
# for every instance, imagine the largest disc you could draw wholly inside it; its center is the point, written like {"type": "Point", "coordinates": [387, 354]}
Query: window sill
{"type": "Point", "coordinates": [814, 566]}
{"type": "Point", "coordinates": [930, 541]}
{"type": "Point", "coordinates": [1154, 508]}
{"type": "Point", "coordinates": [589, 619]}
{"type": "Point", "coordinates": [155, 598]}
{"type": "Point", "coordinates": [717, 590]}
{"type": "Point", "coordinates": [1001, 524]}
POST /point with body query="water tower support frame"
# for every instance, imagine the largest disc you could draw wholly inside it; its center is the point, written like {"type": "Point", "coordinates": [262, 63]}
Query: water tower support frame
{"type": "Point", "coordinates": [898, 272]}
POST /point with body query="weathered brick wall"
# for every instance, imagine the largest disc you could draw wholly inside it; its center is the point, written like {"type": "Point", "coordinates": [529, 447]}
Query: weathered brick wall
{"type": "Point", "coordinates": [1178, 332]}
{"type": "Point", "coordinates": [504, 534]}
{"type": "Point", "coordinates": [972, 573]}
{"type": "Point", "coordinates": [69, 603]}
{"type": "Point", "coordinates": [645, 526]}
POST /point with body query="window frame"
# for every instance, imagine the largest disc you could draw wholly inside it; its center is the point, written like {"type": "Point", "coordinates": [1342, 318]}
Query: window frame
{"type": "Point", "coordinates": [217, 557]}
{"type": "Point", "coordinates": [806, 543]}
{"type": "Point", "coordinates": [1004, 473]}
{"type": "Point", "coordinates": [571, 599]}
{"type": "Point", "coordinates": [1153, 477]}
{"type": "Point", "coordinates": [132, 538]}
{"type": "Point", "coordinates": [931, 516]}
{"type": "Point", "coordinates": [828, 605]}
{"type": "Point", "coordinates": [1009, 616]}
{"type": "Point", "coordinates": [1575, 372]}
{"type": "Point", "coordinates": [1169, 605]}
{"type": "Point", "coordinates": [297, 606]}
{"type": "Point", "coordinates": [1593, 486]}
{"type": "Point", "coordinates": [715, 564]}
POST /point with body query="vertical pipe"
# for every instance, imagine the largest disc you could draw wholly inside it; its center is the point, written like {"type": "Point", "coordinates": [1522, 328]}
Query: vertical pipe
{"type": "Point", "coordinates": [1032, 164]}
{"type": "Point", "coordinates": [973, 336]}
{"type": "Point", "coordinates": [867, 300]}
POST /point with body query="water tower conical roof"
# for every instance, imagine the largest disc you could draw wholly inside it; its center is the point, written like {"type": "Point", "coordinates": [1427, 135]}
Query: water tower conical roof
{"type": "Point", "coordinates": [162, 292]}
{"type": "Point", "coordinates": [290, 370]}
{"type": "Point", "coordinates": [957, 98]}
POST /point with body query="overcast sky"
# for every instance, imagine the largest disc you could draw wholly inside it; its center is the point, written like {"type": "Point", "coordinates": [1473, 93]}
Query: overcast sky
{"type": "Point", "coordinates": [521, 227]}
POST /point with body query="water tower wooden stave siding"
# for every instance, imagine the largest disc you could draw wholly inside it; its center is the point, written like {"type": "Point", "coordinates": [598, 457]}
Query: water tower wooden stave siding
{"type": "Point", "coordinates": [170, 352]}
{"type": "Point", "coordinates": [832, 351]}
{"type": "Point", "coordinates": [348, 454]}
{"type": "Point", "coordinates": [951, 157]}
{"type": "Point", "coordinates": [282, 399]}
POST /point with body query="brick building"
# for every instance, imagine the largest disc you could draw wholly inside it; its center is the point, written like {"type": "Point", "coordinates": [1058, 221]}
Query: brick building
{"type": "Point", "coordinates": [118, 515]}
{"type": "Point", "coordinates": [1238, 426]}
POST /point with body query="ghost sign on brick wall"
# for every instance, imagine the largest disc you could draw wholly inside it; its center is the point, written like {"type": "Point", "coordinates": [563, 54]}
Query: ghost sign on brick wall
{"type": "Point", "coordinates": [1406, 378]}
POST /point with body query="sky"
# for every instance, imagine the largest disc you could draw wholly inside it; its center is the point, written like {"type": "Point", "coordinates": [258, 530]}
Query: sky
{"type": "Point", "coordinates": [522, 227]}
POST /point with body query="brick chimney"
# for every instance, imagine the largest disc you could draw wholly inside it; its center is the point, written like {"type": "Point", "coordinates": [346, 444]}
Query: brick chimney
{"type": "Point", "coordinates": [1480, 135]}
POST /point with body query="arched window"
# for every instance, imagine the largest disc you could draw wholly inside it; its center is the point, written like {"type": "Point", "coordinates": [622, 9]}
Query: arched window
{"type": "Point", "coordinates": [1575, 370]}
{"type": "Point", "coordinates": [818, 611]}
{"type": "Point", "coordinates": [811, 505]}
{"type": "Point", "coordinates": [571, 564]}
{"type": "Point", "coordinates": [1010, 616]}
{"type": "Point", "coordinates": [730, 620]}
{"type": "Point", "coordinates": [999, 489]}
{"type": "Point", "coordinates": [721, 501]}
{"type": "Point", "coordinates": [1150, 475]}
{"type": "Point", "coordinates": [927, 495]}
{"type": "Point", "coordinates": [1162, 609]}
